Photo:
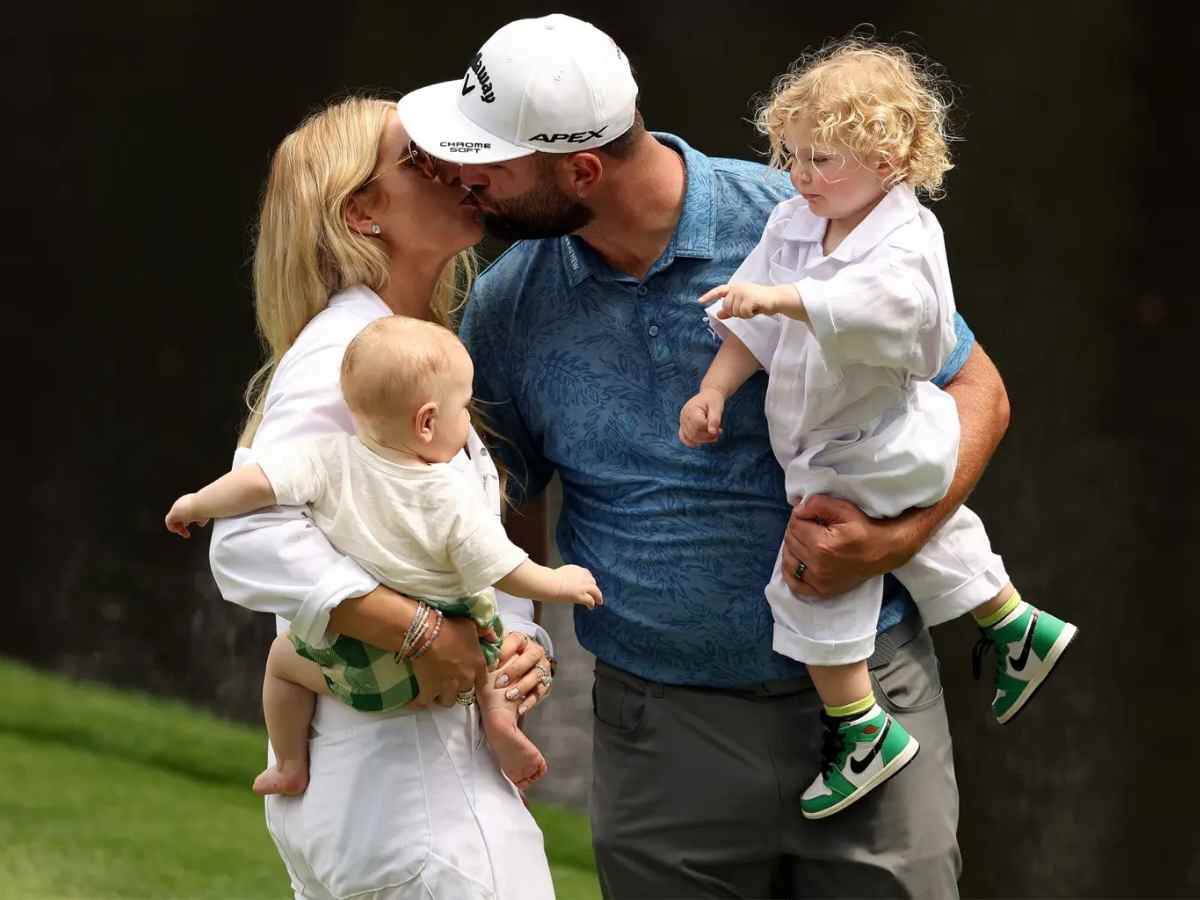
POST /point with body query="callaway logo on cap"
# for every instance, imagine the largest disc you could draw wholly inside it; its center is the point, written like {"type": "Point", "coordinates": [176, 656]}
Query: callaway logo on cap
{"type": "Point", "coordinates": [555, 84]}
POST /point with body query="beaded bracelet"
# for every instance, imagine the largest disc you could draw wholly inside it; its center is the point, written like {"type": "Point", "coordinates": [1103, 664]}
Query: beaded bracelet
{"type": "Point", "coordinates": [437, 627]}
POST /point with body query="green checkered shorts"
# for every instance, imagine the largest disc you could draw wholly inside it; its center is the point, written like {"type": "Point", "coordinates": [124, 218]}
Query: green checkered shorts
{"type": "Point", "coordinates": [371, 679]}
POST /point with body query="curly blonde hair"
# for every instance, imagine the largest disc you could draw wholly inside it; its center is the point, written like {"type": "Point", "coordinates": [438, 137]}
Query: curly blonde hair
{"type": "Point", "coordinates": [873, 98]}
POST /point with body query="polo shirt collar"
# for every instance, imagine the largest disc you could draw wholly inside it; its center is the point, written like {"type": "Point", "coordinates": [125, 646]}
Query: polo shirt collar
{"type": "Point", "coordinates": [695, 232]}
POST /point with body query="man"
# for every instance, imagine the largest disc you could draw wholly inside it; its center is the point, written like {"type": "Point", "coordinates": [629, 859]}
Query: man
{"type": "Point", "coordinates": [587, 341]}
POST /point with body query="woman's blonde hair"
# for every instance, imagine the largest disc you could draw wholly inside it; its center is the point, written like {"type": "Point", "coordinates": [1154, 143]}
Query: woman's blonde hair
{"type": "Point", "coordinates": [306, 251]}
{"type": "Point", "coordinates": [872, 98]}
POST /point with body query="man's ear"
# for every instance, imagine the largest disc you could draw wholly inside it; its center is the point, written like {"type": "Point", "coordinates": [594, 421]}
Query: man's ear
{"type": "Point", "coordinates": [425, 421]}
{"type": "Point", "coordinates": [580, 174]}
{"type": "Point", "coordinates": [356, 215]}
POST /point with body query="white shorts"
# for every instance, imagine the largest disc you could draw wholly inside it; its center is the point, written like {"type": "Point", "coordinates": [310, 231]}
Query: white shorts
{"type": "Point", "coordinates": [406, 806]}
{"type": "Point", "coordinates": [952, 574]}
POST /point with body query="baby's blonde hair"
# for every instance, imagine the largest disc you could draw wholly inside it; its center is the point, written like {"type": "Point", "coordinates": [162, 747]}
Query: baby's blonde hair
{"type": "Point", "coordinates": [393, 366]}
{"type": "Point", "coordinates": [872, 98]}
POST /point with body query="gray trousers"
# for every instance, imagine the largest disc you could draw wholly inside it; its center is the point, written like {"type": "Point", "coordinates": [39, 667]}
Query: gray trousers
{"type": "Point", "coordinates": [696, 791]}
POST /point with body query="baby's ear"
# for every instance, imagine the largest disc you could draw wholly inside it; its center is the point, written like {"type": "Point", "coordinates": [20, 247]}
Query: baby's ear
{"type": "Point", "coordinates": [425, 420]}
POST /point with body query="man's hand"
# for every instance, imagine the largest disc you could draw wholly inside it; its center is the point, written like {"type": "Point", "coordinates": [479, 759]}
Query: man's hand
{"type": "Point", "coordinates": [700, 418]}
{"type": "Point", "coordinates": [523, 668]}
{"type": "Point", "coordinates": [841, 547]}
{"type": "Point", "coordinates": [451, 664]}
{"type": "Point", "coordinates": [744, 300]}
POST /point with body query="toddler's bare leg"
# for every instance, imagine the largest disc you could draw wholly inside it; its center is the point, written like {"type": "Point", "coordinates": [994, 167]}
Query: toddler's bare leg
{"type": "Point", "coordinates": [983, 610]}
{"type": "Point", "coordinates": [841, 685]}
{"type": "Point", "coordinates": [289, 696]}
{"type": "Point", "coordinates": [519, 758]}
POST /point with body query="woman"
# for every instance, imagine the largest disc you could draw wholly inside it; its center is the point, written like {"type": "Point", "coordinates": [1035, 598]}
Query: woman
{"type": "Point", "coordinates": [356, 225]}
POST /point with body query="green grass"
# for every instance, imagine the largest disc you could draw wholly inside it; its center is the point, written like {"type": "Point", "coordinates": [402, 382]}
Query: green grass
{"type": "Point", "coordinates": [110, 794]}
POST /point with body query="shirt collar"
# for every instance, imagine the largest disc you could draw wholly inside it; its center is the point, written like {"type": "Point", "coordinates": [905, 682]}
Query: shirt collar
{"type": "Point", "coordinates": [899, 206]}
{"type": "Point", "coordinates": [695, 233]}
{"type": "Point", "coordinates": [798, 223]}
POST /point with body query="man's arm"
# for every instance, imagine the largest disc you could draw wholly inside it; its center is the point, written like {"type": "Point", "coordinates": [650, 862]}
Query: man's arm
{"type": "Point", "coordinates": [841, 547]}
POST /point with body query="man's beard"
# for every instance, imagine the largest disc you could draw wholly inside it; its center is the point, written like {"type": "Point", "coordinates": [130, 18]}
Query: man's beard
{"type": "Point", "coordinates": [544, 212]}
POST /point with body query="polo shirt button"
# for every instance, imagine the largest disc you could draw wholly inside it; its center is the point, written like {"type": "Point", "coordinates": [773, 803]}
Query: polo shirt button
{"type": "Point", "coordinates": [653, 329]}
{"type": "Point", "coordinates": [643, 290]}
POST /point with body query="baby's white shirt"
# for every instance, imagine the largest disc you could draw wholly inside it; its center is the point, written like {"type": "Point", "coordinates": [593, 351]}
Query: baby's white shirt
{"type": "Point", "coordinates": [421, 528]}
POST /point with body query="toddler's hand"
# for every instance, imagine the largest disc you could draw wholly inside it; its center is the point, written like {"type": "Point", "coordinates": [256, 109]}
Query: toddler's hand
{"type": "Point", "coordinates": [744, 300]}
{"type": "Point", "coordinates": [700, 418]}
{"type": "Point", "coordinates": [576, 585]}
{"type": "Point", "coordinates": [181, 516]}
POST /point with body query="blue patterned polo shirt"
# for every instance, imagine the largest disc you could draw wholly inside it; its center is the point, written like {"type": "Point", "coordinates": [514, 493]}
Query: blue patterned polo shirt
{"type": "Point", "coordinates": [583, 370]}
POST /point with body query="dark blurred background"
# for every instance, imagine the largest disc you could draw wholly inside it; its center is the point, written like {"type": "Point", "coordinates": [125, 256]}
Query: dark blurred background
{"type": "Point", "coordinates": [147, 131]}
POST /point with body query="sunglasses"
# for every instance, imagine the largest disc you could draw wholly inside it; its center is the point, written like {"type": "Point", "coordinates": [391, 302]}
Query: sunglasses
{"type": "Point", "coordinates": [414, 158]}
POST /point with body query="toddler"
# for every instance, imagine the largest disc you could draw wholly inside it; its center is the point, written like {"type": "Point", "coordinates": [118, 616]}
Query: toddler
{"type": "Point", "coordinates": [846, 303]}
{"type": "Point", "coordinates": [386, 497]}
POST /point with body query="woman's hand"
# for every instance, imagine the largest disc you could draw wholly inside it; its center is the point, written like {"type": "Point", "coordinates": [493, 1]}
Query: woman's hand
{"type": "Point", "coordinates": [841, 547]}
{"type": "Point", "coordinates": [450, 666]}
{"type": "Point", "coordinates": [524, 670]}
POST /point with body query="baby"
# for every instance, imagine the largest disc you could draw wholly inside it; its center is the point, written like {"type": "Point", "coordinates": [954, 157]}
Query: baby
{"type": "Point", "coordinates": [846, 302]}
{"type": "Point", "coordinates": [386, 497]}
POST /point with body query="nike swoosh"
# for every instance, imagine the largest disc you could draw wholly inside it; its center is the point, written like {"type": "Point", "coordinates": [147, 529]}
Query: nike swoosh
{"type": "Point", "coordinates": [858, 766]}
{"type": "Point", "coordinates": [1018, 664]}
{"type": "Point", "coordinates": [467, 88]}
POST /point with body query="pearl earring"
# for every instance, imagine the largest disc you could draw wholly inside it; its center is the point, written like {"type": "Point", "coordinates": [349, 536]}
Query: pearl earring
{"type": "Point", "coordinates": [375, 229]}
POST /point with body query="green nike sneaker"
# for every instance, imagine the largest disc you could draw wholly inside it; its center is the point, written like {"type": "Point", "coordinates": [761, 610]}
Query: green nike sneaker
{"type": "Point", "coordinates": [1028, 643]}
{"type": "Point", "coordinates": [856, 758]}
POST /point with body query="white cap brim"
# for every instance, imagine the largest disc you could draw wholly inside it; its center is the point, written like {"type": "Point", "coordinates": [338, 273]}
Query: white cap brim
{"type": "Point", "coordinates": [434, 123]}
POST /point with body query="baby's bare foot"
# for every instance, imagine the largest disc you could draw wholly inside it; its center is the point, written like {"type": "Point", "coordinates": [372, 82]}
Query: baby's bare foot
{"type": "Point", "coordinates": [519, 758]}
{"type": "Point", "coordinates": [289, 778]}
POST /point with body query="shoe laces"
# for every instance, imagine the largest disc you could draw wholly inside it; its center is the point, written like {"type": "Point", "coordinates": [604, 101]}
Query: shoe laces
{"type": "Point", "coordinates": [833, 745]}
{"type": "Point", "coordinates": [982, 646]}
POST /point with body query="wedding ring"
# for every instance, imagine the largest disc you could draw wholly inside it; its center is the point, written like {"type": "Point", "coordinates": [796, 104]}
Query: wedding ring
{"type": "Point", "coordinates": [466, 698]}
{"type": "Point", "coordinates": [544, 674]}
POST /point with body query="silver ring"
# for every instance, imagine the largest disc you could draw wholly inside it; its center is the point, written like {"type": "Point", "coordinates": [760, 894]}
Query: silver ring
{"type": "Point", "coordinates": [545, 675]}
{"type": "Point", "coordinates": [801, 568]}
{"type": "Point", "coordinates": [466, 698]}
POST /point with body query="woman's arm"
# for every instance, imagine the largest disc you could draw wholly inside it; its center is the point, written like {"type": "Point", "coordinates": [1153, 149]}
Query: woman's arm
{"type": "Point", "coordinates": [841, 547]}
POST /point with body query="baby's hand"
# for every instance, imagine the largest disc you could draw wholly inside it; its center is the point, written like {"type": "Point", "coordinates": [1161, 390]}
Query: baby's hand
{"type": "Point", "coordinates": [181, 516]}
{"type": "Point", "coordinates": [576, 585]}
{"type": "Point", "coordinates": [700, 418]}
{"type": "Point", "coordinates": [744, 300]}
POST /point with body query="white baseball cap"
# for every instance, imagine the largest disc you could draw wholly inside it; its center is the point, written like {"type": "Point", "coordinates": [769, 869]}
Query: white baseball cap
{"type": "Point", "coordinates": [554, 84]}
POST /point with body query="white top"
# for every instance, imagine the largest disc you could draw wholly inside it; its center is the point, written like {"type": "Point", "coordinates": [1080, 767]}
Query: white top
{"type": "Point", "coordinates": [277, 560]}
{"type": "Point", "coordinates": [421, 529]}
{"type": "Point", "coordinates": [852, 386]}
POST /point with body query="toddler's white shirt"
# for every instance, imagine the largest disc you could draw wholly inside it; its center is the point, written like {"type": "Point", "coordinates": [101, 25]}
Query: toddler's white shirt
{"type": "Point", "coordinates": [422, 529]}
{"type": "Point", "coordinates": [850, 391]}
